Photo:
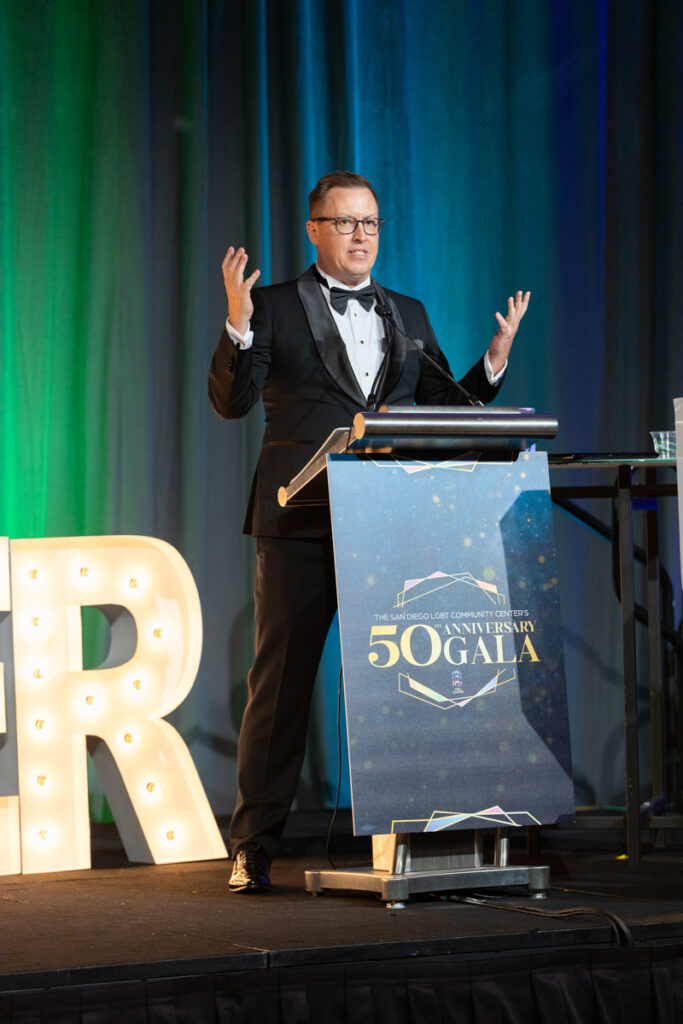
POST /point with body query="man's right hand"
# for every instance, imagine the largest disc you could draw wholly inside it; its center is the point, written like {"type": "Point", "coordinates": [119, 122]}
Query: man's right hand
{"type": "Point", "coordinates": [240, 306]}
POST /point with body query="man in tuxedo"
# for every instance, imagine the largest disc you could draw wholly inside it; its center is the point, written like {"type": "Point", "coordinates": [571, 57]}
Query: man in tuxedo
{"type": "Point", "coordinates": [316, 352]}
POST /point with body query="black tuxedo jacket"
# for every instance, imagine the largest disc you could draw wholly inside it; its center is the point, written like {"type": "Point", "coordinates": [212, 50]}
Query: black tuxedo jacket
{"type": "Point", "coordinates": [299, 366]}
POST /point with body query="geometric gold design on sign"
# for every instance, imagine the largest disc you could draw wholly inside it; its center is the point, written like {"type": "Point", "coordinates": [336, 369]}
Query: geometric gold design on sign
{"type": "Point", "coordinates": [487, 818]}
{"type": "Point", "coordinates": [413, 590]}
{"type": "Point", "coordinates": [412, 688]}
{"type": "Point", "coordinates": [411, 466]}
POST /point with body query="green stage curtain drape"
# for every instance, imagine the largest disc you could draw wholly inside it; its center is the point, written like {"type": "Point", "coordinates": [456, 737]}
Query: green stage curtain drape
{"type": "Point", "coordinates": [534, 144]}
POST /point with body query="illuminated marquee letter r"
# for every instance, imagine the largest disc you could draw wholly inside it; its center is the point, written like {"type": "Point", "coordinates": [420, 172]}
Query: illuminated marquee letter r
{"type": "Point", "coordinates": [147, 592]}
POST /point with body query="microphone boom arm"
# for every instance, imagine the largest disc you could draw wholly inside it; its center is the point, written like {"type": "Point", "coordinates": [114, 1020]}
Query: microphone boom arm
{"type": "Point", "coordinates": [387, 315]}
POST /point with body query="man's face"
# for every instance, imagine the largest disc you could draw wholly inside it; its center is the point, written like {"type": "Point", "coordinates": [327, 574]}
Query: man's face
{"type": "Point", "coordinates": [347, 258]}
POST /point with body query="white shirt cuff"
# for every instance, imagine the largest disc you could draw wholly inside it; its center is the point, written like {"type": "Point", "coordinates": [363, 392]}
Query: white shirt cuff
{"type": "Point", "coordinates": [492, 377]}
{"type": "Point", "coordinates": [241, 340]}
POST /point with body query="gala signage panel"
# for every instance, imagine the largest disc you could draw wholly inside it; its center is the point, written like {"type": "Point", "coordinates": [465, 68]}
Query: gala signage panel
{"type": "Point", "coordinates": [452, 643]}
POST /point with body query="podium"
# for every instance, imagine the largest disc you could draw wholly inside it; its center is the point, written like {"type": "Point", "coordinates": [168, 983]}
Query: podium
{"type": "Point", "coordinates": [451, 643]}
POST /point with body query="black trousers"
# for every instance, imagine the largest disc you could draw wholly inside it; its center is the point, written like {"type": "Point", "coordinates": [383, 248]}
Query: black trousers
{"type": "Point", "coordinates": [295, 601]}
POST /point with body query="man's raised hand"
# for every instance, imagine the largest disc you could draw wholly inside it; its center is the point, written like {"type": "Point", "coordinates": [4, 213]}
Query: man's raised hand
{"type": "Point", "coordinates": [238, 290]}
{"type": "Point", "coordinates": [501, 343]}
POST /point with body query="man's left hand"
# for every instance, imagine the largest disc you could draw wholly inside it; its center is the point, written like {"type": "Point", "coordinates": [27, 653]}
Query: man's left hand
{"type": "Point", "coordinates": [501, 343]}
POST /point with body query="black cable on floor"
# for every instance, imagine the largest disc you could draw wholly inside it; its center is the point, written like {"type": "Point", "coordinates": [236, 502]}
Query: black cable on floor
{"type": "Point", "coordinates": [339, 772]}
{"type": "Point", "coordinates": [622, 931]}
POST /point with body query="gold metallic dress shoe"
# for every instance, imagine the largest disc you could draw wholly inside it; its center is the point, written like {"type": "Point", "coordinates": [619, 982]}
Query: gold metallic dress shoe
{"type": "Point", "coordinates": [251, 870]}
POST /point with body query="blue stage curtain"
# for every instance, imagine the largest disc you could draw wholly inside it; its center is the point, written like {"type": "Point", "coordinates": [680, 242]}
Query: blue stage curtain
{"type": "Point", "coordinates": [533, 144]}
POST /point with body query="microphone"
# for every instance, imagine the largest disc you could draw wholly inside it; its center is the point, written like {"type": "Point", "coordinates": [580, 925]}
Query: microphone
{"type": "Point", "coordinates": [386, 314]}
{"type": "Point", "coordinates": [378, 383]}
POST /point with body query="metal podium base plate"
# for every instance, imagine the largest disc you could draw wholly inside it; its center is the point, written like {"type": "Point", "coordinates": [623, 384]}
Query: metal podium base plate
{"type": "Point", "coordinates": [396, 888]}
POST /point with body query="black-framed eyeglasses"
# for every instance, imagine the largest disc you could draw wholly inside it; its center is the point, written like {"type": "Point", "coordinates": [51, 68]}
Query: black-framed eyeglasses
{"type": "Point", "coordinates": [347, 225]}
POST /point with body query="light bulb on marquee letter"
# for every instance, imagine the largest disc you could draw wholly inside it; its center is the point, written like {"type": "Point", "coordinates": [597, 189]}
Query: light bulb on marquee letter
{"type": "Point", "coordinates": [156, 637]}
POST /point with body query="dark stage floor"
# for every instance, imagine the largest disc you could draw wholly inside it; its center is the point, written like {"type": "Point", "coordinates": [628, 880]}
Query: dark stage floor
{"type": "Point", "coordinates": [85, 926]}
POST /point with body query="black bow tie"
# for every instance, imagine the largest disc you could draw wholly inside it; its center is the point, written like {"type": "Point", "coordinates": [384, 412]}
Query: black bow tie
{"type": "Point", "coordinates": [339, 297]}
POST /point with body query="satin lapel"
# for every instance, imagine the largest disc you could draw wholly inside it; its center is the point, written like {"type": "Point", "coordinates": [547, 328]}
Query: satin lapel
{"type": "Point", "coordinates": [331, 348]}
{"type": "Point", "coordinates": [397, 356]}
